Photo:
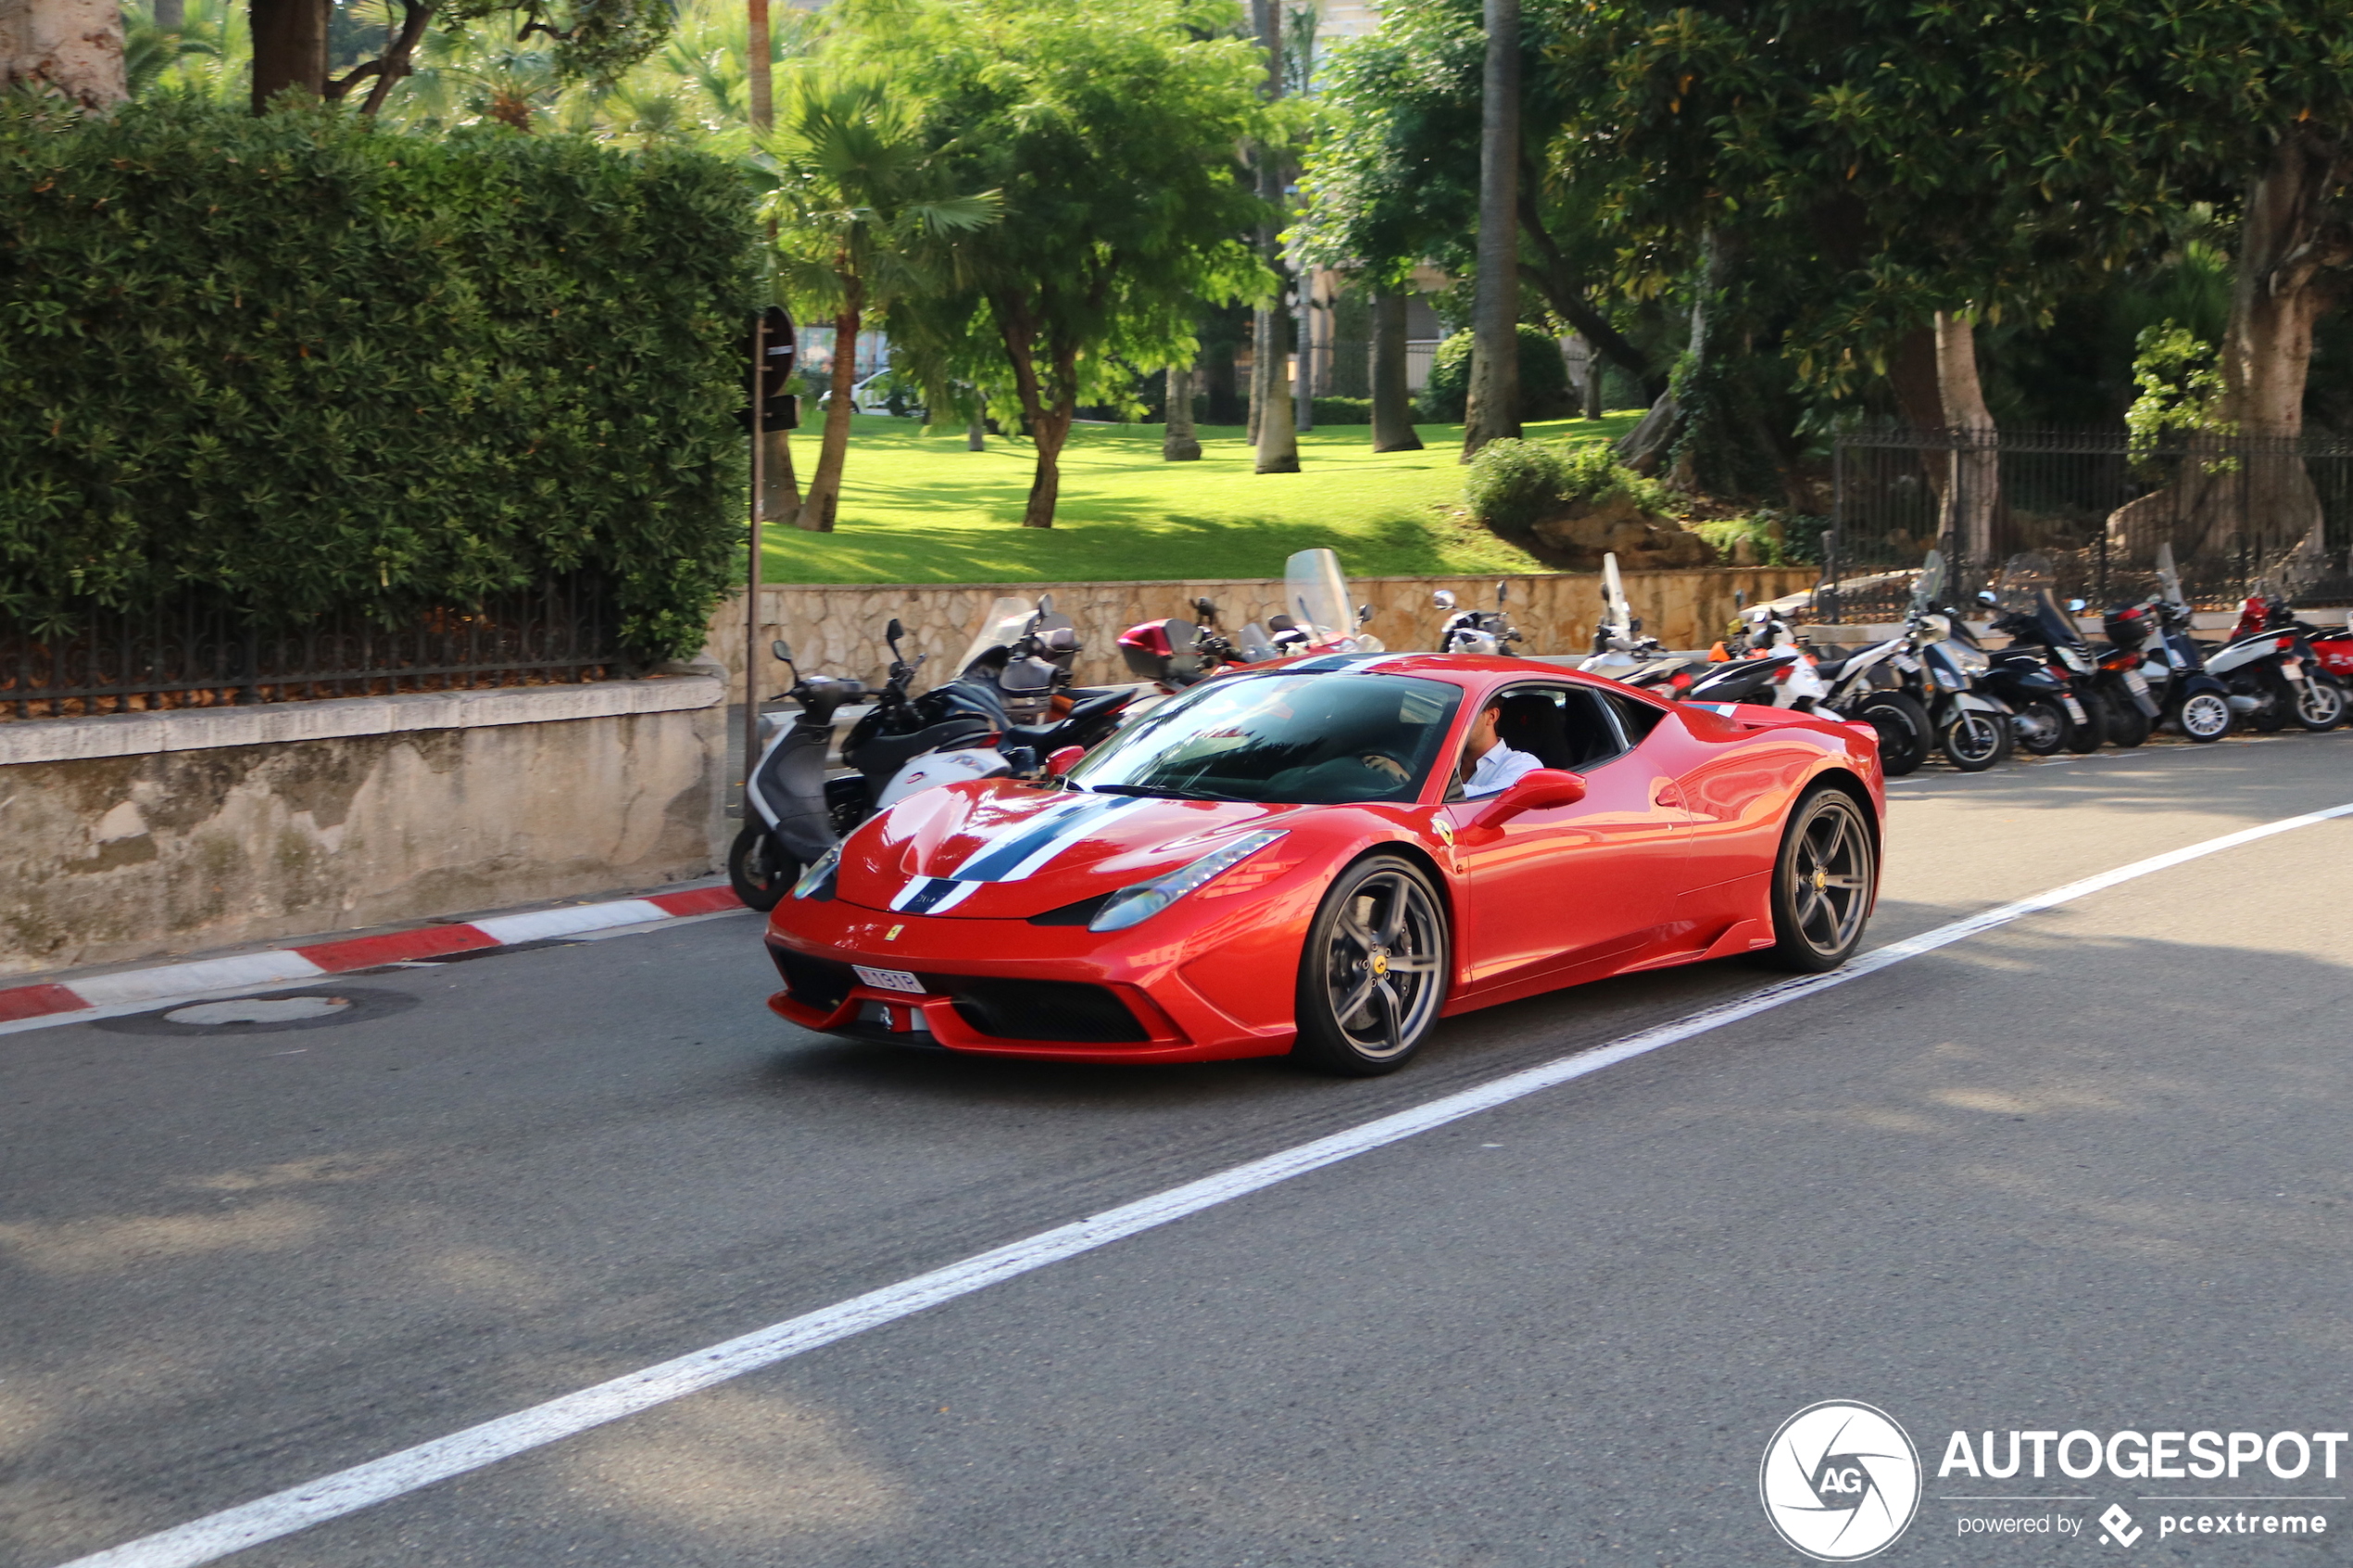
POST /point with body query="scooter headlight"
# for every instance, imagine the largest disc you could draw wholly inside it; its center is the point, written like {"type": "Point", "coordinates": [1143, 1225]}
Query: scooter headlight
{"type": "Point", "coordinates": [1133, 906]}
{"type": "Point", "coordinates": [817, 882]}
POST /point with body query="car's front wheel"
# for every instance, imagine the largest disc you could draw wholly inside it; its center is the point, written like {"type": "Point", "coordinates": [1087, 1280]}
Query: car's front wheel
{"type": "Point", "coordinates": [1373, 971]}
{"type": "Point", "coordinates": [1824, 882]}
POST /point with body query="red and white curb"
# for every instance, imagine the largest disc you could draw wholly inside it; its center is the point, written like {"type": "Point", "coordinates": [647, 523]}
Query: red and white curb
{"type": "Point", "coordinates": [136, 990]}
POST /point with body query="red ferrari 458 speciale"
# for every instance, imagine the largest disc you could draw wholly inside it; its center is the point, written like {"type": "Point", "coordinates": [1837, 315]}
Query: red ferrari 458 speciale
{"type": "Point", "coordinates": [1282, 860]}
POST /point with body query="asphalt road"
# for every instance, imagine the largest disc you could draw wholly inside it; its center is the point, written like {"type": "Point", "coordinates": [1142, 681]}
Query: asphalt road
{"type": "Point", "coordinates": [2086, 1171]}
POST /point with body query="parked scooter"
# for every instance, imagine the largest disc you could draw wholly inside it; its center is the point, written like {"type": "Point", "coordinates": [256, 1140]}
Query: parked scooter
{"type": "Point", "coordinates": [2154, 639]}
{"type": "Point", "coordinates": [955, 732]}
{"type": "Point", "coordinates": [1316, 609]}
{"type": "Point", "coordinates": [2274, 677]}
{"type": "Point", "coordinates": [1944, 674]}
{"type": "Point", "coordinates": [1865, 685]}
{"type": "Point", "coordinates": [1472, 631]}
{"type": "Point", "coordinates": [1177, 653]}
{"type": "Point", "coordinates": [2044, 675]}
{"type": "Point", "coordinates": [1622, 650]}
{"type": "Point", "coordinates": [786, 824]}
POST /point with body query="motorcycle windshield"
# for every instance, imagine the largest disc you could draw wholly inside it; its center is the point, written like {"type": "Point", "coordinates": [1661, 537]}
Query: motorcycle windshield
{"type": "Point", "coordinates": [1620, 615]}
{"type": "Point", "coordinates": [1255, 644]}
{"type": "Point", "coordinates": [1001, 627]}
{"type": "Point", "coordinates": [2169, 582]}
{"type": "Point", "coordinates": [1931, 585]}
{"type": "Point", "coordinates": [1315, 595]}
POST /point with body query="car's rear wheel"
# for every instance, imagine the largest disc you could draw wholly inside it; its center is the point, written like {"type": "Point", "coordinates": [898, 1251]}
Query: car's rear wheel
{"type": "Point", "coordinates": [1824, 882]}
{"type": "Point", "coordinates": [1373, 971]}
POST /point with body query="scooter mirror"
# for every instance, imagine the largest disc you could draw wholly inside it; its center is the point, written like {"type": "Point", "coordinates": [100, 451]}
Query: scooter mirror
{"type": "Point", "coordinates": [1364, 613]}
{"type": "Point", "coordinates": [1063, 762]}
{"type": "Point", "coordinates": [1045, 604]}
{"type": "Point", "coordinates": [2075, 606]}
{"type": "Point", "coordinates": [1206, 610]}
{"type": "Point", "coordinates": [892, 633]}
{"type": "Point", "coordinates": [1444, 598]}
{"type": "Point", "coordinates": [1985, 597]}
{"type": "Point", "coordinates": [1500, 589]}
{"type": "Point", "coordinates": [782, 650]}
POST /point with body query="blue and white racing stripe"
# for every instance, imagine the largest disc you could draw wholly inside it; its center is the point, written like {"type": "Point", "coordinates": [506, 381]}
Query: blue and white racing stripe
{"type": "Point", "coordinates": [1022, 850]}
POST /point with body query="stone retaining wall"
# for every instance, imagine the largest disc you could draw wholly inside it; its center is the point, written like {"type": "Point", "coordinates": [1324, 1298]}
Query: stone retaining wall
{"type": "Point", "coordinates": [839, 627]}
{"type": "Point", "coordinates": [140, 835]}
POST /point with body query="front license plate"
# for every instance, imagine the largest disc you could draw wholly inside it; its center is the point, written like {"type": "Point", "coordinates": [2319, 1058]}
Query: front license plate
{"type": "Point", "coordinates": [890, 980]}
{"type": "Point", "coordinates": [2292, 668]}
{"type": "Point", "coordinates": [2134, 682]}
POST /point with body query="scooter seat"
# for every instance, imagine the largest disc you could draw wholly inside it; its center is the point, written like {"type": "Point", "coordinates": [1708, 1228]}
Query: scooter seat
{"type": "Point", "coordinates": [881, 757]}
{"type": "Point", "coordinates": [1087, 715]}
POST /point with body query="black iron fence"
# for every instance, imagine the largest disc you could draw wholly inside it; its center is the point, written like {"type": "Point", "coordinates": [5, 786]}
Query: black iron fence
{"type": "Point", "coordinates": [2235, 511]}
{"type": "Point", "coordinates": [201, 652]}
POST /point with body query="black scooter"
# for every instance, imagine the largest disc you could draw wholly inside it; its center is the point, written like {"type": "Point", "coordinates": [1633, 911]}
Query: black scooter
{"type": "Point", "coordinates": [786, 825]}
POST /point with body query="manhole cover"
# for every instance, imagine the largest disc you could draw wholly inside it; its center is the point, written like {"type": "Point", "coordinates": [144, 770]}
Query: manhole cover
{"type": "Point", "coordinates": [325, 1006]}
{"type": "Point", "coordinates": [258, 1009]}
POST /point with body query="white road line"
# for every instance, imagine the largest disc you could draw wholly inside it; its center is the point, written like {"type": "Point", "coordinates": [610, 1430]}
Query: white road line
{"type": "Point", "coordinates": [362, 1485]}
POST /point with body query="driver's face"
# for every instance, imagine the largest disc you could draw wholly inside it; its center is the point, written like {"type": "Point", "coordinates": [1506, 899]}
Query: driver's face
{"type": "Point", "coordinates": [1483, 737]}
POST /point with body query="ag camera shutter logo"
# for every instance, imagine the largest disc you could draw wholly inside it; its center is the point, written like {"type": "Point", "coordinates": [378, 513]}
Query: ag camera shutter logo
{"type": "Point", "coordinates": [1841, 1481]}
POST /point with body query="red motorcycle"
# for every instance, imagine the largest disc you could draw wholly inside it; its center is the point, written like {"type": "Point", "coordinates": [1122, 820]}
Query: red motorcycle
{"type": "Point", "coordinates": [2332, 645]}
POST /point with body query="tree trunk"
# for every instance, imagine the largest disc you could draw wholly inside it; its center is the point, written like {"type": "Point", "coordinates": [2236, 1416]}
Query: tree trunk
{"type": "Point", "coordinates": [1494, 410]}
{"type": "Point", "coordinates": [816, 511]}
{"type": "Point", "coordinates": [758, 56]}
{"type": "Point", "coordinates": [1277, 441]}
{"type": "Point", "coordinates": [1562, 290]}
{"type": "Point", "coordinates": [1393, 405]}
{"type": "Point", "coordinates": [1222, 385]}
{"type": "Point", "coordinates": [70, 47]}
{"type": "Point", "coordinates": [1590, 394]}
{"type": "Point", "coordinates": [976, 430]}
{"type": "Point", "coordinates": [1302, 409]}
{"type": "Point", "coordinates": [2263, 507]}
{"type": "Point", "coordinates": [1051, 430]}
{"type": "Point", "coordinates": [1180, 444]}
{"type": "Point", "coordinates": [289, 48]}
{"type": "Point", "coordinates": [1974, 492]}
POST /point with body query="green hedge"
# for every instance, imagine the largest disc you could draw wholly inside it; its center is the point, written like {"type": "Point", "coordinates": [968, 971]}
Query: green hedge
{"type": "Point", "coordinates": [304, 364]}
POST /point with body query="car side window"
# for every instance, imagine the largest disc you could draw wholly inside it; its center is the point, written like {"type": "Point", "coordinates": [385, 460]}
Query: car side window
{"type": "Point", "coordinates": [1565, 727]}
{"type": "Point", "coordinates": [1636, 718]}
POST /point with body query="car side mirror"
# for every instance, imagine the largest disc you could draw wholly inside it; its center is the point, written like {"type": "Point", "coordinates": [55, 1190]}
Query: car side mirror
{"type": "Point", "coordinates": [1539, 791]}
{"type": "Point", "coordinates": [1063, 762]}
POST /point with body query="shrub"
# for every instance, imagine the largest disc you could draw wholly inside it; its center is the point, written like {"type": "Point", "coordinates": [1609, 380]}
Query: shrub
{"type": "Point", "coordinates": [1543, 380]}
{"type": "Point", "coordinates": [1344, 410]}
{"type": "Point", "coordinates": [1513, 486]}
{"type": "Point", "coordinates": [304, 363]}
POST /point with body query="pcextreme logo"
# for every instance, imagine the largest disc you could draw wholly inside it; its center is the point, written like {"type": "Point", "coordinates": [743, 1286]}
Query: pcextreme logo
{"type": "Point", "coordinates": [1841, 1481]}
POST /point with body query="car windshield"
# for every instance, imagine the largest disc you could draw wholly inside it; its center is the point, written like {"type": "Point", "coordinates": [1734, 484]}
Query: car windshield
{"type": "Point", "coordinates": [1323, 740]}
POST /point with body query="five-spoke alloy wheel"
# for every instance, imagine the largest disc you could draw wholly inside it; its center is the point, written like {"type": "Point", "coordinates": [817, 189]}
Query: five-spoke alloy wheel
{"type": "Point", "coordinates": [1374, 969]}
{"type": "Point", "coordinates": [1824, 882]}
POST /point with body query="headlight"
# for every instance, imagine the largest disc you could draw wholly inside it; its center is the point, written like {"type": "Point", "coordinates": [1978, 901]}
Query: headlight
{"type": "Point", "coordinates": [1132, 906]}
{"type": "Point", "coordinates": [2074, 660]}
{"type": "Point", "coordinates": [817, 882]}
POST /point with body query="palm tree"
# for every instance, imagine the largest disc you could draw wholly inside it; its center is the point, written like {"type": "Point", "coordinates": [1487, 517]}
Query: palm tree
{"type": "Point", "coordinates": [861, 221]}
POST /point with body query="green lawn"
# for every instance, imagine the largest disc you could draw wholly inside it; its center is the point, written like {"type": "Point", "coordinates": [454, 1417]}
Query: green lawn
{"type": "Point", "coordinates": [920, 508]}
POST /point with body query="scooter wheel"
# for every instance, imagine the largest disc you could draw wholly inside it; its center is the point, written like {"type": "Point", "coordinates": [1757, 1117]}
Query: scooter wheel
{"type": "Point", "coordinates": [1906, 735]}
{"type": "Point", "coordinates": [2042, 729]}
{"type": "Point", "coordinates": [2320, 704]}
{"type": "Point", "coordinates": [2127, 725]}
{"type": "Point", "coordinates": [760, 872]}
{"type": "Point", "coordinates": [2100, 719]}
{"type": "Point", "coordinates": [2206, 717]}
{"type": "Point", "coordinates": [1973, 741]}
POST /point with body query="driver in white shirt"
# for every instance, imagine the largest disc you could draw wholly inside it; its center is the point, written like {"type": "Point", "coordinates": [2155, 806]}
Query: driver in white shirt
{"type": "Point", "coordinates": [1488, 766]}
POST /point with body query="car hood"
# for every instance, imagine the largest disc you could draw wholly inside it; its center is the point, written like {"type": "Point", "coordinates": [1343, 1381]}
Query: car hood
{"type": "Point", "coordinates": [995, 850]}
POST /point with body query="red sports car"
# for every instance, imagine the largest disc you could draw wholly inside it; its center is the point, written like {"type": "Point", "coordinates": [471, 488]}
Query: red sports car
{"type": "Point", "coordinates": [1283, 859]}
